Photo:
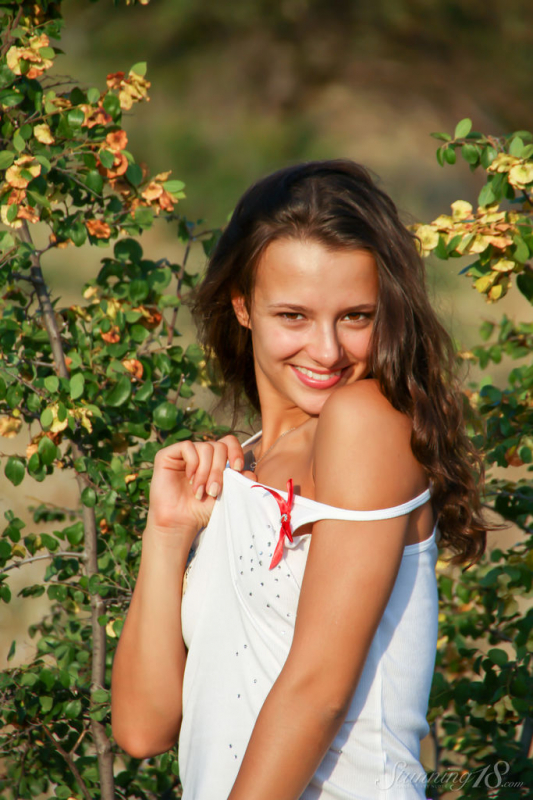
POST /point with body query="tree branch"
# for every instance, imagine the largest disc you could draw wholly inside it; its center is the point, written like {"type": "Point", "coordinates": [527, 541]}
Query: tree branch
{"type": "Point", "coordinates": [65, 553]}
{"type": "Point", "coordinates": [72, 766]}
{"type": "Point", "coordinates": [101, 741]}
{"type": "Point", "coordinates": [178, 292]}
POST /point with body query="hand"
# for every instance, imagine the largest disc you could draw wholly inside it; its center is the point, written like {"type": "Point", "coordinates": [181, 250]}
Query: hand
{"type": "Point", "coordinates": [186, 481]}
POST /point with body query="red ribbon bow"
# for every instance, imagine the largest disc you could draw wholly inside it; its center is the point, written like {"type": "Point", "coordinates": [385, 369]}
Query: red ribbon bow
{"type": "Point", "coordinates": [285, 509]}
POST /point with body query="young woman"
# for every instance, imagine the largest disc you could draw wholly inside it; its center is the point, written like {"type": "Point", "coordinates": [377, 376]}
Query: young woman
{"type": "Point", "coordinates": [300, 660]}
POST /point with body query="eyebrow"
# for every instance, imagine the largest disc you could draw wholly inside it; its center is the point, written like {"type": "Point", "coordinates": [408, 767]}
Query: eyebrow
{"type": "Point", "coordinates": [356, 307]}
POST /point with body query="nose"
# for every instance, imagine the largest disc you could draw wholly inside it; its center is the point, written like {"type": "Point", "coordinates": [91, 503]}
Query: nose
{"type": "Point", "coordinates": [324, 346]}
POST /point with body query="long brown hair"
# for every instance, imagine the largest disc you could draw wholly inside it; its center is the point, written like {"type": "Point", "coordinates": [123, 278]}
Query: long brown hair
{"type": "Point", "coordinates": [337, 204]}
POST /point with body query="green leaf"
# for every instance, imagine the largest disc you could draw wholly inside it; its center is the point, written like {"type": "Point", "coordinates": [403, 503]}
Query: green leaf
{"type": "Point", "coordinates": [46, 703]}
{"type": "Point", "coordinates": [449, 155]}
{"type": "Point", "coordinates": [524, 281]}
{"type": "Point", "coordinates": [29, 679]}
{"type": "Point", "coordinates": [498, 656]}
{"type": "Point", "coordinates": [111, 104]}
{"type": "Point", "coordinates": [516, 148]}
{"type": "Point", "coordinates": [521, 252]}
{"type": "Point", "coordinates": [34, 465]}
{"type": "Point", "coordinates": [470, 153]}
{"type": "Point", "coordinates": [485, 330]}
{"type": "Point", "coordinates": [120, 393]}
{"type": "Point", "coordinates": [47, 450]}
{"type": "Point", "coordinates": [128, 250]}
{"type": "Point", "coordinates": [88, 497]}
{"type": "Point", "coordinates": [47, 418]}
{"type": "Point", "coordinates": [78, 233]}
{"type": "Point", "coordinates": [462, 128]}
{"type": "Point", "coordinates": [173, 186]}
{"type": "Point", "coordinates": [93, 95]}
{"type": "Point", "coordinates": [77, 385]}
{"type": "Point", "coordinates": [74, 533]}
{"type": "Point", "coordinates": [15, 470]}
{"type": "Point", "coordinates": [10, 98]}
{"type": "Point", "coordinates": [100, 696]}
{"type": "Point", "coordinates": [18, 142]}
{"type": "Point", "coordinates": [72, 710]}
{"type": "Point", "coordinates": [94, 181]}
{"type": "Point", "coordinates": [51, 383]}
{"type": "Point", "coordinates": [107, 158]}
{"type": "Point", "coordinates": [12, 650]}
{"type": "Point", "coordinates": [526, 455]}
{"type": "Point", "coordinates": [144, 393]}
{"type": "Point", "coordinates": [6, 158]}
{"type": "Point", "coordinates": [144, 217]}
{"type": "Point", "coordinates": [139, 68]}
{"type": "Point", "coordinates": [45, 164]}
{"type": "Point", "coordinates": [486, 195]}
{"type": "Point", "coordinates": [165, 416]}
{"type": "Point", "coordinates": [138, 291]}
{"type": "Point", "coordinates": [444, 137]}
{"type": "Point", "coordinates": [134, 174]}
{"type": "Point", "coordinates": [75, 117]}
{"type": "Point", "coordinates": [12, 212]}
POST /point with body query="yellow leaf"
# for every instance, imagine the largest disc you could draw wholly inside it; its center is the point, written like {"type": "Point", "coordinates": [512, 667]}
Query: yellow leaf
{"type": "Point", "coordinates": [503, 163]}
{"type": "Point", "coordinates": [18, 550]}
{"type": "Point", "coordinates": [43, 134]}
{"type": "Point", "coordinates": [428, 237]}
{"type": "Point", "coordinates": [444, 222]}
{"type": "Point", "coordinates": [478, 244]}
{"type": "Point", "coordinates": [484, 283]}
{"type": "Point", "coordinates": [521, 175]}
{"type": "Point", "coordinates": [9, 426]}
{"type": "Point", "coordinates": [461, 209]}
{"type": "Point", "coordinates": [503, 265]}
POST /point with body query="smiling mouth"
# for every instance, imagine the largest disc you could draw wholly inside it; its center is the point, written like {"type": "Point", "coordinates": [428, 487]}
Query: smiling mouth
{"type": "Point", "coordinates": [320, 376]}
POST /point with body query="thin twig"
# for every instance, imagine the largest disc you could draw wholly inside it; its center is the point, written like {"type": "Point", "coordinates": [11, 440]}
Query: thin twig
{"type": "Point", "coordinates": [73, 768]}
{"type": "Point", "coordinates": [65, 553]}
{"type": "Point", "coordinates": [178, 292]}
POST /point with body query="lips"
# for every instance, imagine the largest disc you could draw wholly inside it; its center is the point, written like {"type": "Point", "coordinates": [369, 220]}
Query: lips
{"type": "Point", "coordinates": [318, 383]}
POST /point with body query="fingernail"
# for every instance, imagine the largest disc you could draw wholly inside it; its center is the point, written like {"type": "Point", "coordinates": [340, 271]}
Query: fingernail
{"type": "Point", "coordinates": [200, 492]}
{"type": "Point", "coordinates": [191, 480]}
{"type": "Point", "coordinates": [239, 464]}
{"type": "Point", "coordinates": [213, 490]}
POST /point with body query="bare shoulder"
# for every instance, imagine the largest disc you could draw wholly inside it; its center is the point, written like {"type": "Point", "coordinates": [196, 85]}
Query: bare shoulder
{"type": "Point", "coordinates": [362, 455]}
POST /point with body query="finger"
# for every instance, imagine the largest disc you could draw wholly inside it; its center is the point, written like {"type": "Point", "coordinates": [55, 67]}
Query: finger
{"type": "Point", "coordinates": [218, 465]}
{"type": "Point", "coordinates": [205, 452]}
{"type": "Point", "coordinates": [179, 457]}
{"type": "Point", "coordinates": [235, 451]}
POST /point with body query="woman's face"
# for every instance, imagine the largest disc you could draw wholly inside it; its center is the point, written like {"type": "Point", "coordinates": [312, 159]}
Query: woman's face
{"type": "Point", "coordinates": [312, 309]}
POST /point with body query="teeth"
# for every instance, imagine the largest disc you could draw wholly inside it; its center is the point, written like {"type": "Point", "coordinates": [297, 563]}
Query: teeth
{"type": "Point", "coordinates": [316, 376]}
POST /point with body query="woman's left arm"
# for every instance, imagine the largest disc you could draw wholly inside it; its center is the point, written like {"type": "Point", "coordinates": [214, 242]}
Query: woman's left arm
{"type": "Point", "coordinates": [363, 461]}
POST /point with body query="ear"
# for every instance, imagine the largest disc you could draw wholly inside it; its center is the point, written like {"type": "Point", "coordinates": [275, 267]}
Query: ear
{"type": "Point", "coordinates": [239, 307]}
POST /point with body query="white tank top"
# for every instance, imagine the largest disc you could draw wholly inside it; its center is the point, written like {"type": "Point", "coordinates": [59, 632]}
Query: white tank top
{"type": "Point", "coordinates": [238, 622]}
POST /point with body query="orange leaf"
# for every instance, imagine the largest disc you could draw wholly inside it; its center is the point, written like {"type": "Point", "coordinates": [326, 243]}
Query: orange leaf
{"type": "Point", "coordinates": [98, 228]}
{"type": "Point", "coordinates": [112, 336]}
{"type": "Point", "coordinates": [114, 79]}
{"type": "Point", "coordinates": [117, 140]}
{"type": "Point", "coordinates": [134, 367]}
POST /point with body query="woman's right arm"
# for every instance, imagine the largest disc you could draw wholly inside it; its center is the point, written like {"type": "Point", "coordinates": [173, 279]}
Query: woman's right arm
{"type": "Point", "coordinates": [150, 659]}
{"type": "Point", "coordinates": [147, 679]}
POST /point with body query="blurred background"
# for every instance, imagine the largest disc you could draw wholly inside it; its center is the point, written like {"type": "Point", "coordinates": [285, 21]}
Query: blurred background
{"type": "Point", "coordinates": [243, 87]}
